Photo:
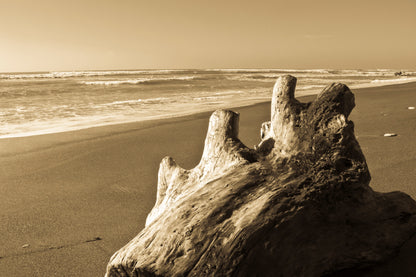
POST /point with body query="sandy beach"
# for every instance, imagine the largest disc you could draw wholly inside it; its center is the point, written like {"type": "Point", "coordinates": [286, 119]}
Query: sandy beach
{"type": "Point", "coordinates": [70, 200]}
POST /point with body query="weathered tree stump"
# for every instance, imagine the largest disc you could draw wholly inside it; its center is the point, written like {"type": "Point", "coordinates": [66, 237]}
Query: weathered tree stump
{"type": "Point", "coordinates": [298, 205]}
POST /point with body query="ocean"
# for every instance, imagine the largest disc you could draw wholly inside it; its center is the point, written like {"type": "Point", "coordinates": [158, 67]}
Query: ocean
{"type": "Point", "coordinates": [48, 102]}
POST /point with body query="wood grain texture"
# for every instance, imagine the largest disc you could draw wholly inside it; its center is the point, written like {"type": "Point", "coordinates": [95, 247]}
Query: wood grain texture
{"type": "Point", "coordinates": [299, 204]}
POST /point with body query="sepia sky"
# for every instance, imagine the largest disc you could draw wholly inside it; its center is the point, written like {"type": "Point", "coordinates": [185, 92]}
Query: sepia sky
{"type": "Point", "coordinates": [47, 35]}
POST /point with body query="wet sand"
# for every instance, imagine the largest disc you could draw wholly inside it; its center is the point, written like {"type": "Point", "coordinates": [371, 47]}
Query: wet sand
{"type": "Point", "coordinates": [69, 200]}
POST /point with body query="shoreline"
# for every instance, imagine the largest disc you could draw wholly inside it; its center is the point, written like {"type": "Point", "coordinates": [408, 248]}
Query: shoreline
{"type": "Point", "coordinates": [93, 132]}
{"type": "Point", "coordinates": [83, 126]}
{"type": "Point", "coordinates": [59, 192]}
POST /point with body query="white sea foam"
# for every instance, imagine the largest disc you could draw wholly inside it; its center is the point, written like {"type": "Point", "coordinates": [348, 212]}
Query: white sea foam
{"type": "Point", "coordinates": [114, 82]}
{"type": "Point", "coordinates": [259, 70]}
{"type": "Point", "coordinates": [137, 81]}
{"type": "Point", "coordinates": [311, 87]}
{"type": "Point", "coordinates": [157, 100]}
{"type": "Point", "coordinates": [204, 98]}
{"type": "Point", "coordinates": [397, 80]}
{"type": "Point", "coordinates": [68, 74]}
{"type": "Point", "coordinates": [311, 75]}
{"type": "Point", "coordinates": [29, 108]}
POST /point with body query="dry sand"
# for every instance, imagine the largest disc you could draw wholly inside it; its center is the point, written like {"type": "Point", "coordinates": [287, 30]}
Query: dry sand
{"type": "Point", "coordinates": [68, 201]}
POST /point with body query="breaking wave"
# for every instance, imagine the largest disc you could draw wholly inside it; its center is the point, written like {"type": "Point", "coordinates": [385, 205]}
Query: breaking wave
{"type": "Point", "coordinates": [311, 87]}
{"type": "Point", "coordinates": [69, 100]}
{"type": "Point", "coordinates": [138, 81]}
{"type": "Point", "coordinates": [398, 80]}
{"type": "Point", "coordinates": [318, 71]}
{"type": "Point", "coordinates": [157, 100]}
{"type": "Point", "coordinates": [69, 74]}
{"type": "Point", "coordinates": [96, 73]}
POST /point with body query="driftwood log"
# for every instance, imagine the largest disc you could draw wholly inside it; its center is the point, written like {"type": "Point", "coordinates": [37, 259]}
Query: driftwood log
{"type": "Point", "coordinates": [299, 204]}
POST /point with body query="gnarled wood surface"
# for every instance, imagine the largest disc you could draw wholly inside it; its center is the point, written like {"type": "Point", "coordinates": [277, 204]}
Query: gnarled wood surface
{"type": "Point", "coordinates": [299, 204]}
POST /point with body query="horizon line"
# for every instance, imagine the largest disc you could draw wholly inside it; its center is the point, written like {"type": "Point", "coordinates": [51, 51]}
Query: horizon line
{"type": "Point", "coordinates": [221, 68]}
